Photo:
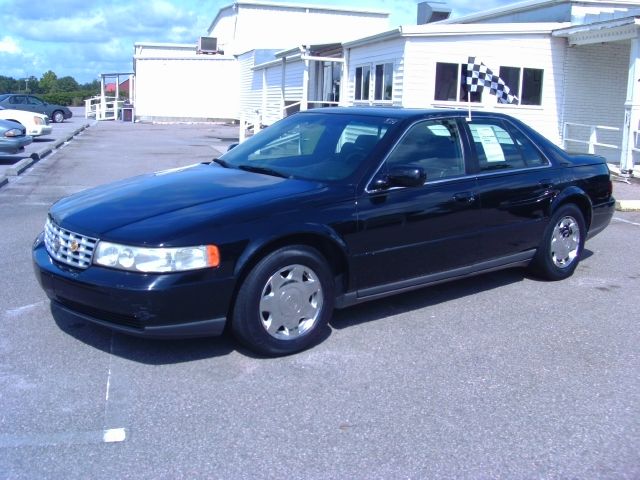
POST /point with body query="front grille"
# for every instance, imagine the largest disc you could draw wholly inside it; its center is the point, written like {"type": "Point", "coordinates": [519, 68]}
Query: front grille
{"type": "Point", "coordinates": [68, 247]}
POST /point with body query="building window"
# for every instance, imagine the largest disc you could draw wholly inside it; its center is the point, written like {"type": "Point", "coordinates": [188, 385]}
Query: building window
{"type": "Point", "coordinates": [451, 85]}
{"type": "Point", "coordinates": [363, 79]}
{"type": "Point", "coordinates": [525, 83]}
{"type": "Point", "coordinates": [383, 82]}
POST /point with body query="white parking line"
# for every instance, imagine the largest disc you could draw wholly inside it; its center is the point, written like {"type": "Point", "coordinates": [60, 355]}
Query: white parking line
{"type": "Point", "coordinates": [626, 221]}
{"type": "Point", "coordinates": [12, 312]}
{"type": "Point", "coordinates": [62, 438]}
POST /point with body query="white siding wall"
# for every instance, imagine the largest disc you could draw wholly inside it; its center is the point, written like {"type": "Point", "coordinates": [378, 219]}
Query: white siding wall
{"type": "Point", "coordinates": [183, 88]}
{"type": "Point", "coordinates": [376, 53]}
{"type": "Point", "coordinates": [529, 51]}
{"type": "Point", "coordinates": [294, 74]}
{"type": "Point", "coordinates": [250, 86]}
{"type": "Point", "coordinates": [267, 26]}
{"type": "Point", "coordinates": [224, 29]}
{"type": "Point", "coordinates": [596, 91]}
{"type": "Point", "coordinates": [272, 94]}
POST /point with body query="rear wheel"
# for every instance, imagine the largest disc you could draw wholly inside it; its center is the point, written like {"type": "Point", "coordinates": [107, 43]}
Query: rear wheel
{"type": "Point", "coordinates": [284, 304]}
{"type": "Point", "coordinates": [562, 244]}
{"type": "Point", "coordinates": [57, 116]}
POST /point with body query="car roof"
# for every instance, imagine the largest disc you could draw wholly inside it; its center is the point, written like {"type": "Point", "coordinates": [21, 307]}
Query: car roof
{"type": "Point", "coordinates": [403, 113]}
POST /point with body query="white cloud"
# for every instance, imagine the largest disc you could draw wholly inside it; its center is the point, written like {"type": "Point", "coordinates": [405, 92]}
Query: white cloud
{"type": "Point", "coordinates": [9, 45]}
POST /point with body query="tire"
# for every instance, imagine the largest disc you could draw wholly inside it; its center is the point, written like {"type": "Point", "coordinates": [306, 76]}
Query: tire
{"type": "Point", "coordinates": [562, 244]}
{"type": "Point", "coordinates": [57, 116]}
{"type": "Point", "coordinates": [284, 304]}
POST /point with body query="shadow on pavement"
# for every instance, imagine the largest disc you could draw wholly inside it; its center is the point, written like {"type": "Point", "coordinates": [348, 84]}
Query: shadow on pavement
{"type": "Point", "coordinates": [143, 350]}
{"type": "Point", "coordinates": [171, 351]}
{"type": "Point", "coordinates": [11, 159]}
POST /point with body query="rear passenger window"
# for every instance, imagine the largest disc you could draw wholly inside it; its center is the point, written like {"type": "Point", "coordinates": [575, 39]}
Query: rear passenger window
{"type": "Point", "coordinates": [501, 147]}
{"type": "Point", "coordinates": [434, 146]}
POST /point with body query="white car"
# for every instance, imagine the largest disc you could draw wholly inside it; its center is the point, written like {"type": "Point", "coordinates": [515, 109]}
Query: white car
{"type": "Point", "coordinates": [35, 123]}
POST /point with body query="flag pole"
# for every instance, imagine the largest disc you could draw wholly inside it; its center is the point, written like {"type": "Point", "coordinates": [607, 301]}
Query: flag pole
{"type": "Point", "coordinates": [469, 105]}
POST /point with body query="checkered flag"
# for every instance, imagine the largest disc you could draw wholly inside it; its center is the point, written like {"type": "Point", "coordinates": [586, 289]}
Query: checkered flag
{"type": "Point", "coordinates": [479, 76]}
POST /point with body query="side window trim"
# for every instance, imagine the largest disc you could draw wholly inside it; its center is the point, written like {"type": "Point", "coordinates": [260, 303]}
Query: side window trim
{"type": "Point", "coordinates": [464, 142]}
{"type": "Point", "coordinates": [508, 126]}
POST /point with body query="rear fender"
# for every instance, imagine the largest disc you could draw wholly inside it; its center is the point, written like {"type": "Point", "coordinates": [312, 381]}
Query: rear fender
{"type": "Point", "coordinates": [576, 196]}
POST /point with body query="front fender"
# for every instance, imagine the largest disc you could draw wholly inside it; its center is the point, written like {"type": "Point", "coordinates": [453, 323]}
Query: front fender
{"type": "Point", "coordinates": [306, 234]}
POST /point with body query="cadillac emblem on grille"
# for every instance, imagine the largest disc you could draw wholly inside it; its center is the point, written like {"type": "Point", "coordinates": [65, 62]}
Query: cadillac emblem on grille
{"type": "Point", "coordinates": [68, 247]}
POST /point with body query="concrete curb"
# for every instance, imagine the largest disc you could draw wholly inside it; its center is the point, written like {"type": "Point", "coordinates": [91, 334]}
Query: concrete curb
{"type": "Point", "coordinates": [628, 205]}
{"type": "Point", "coordinates": [18, 168]}
{"type": "Point", "coordinates": [25, 163]}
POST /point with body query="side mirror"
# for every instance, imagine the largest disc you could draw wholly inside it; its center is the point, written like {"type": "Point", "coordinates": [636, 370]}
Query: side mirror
{"type": "Point", "coordinates": [400, 176]}
{"type": "Point", "coordinates": [407, 176]}
{"type": "Point", "coordinates": [232, 146]}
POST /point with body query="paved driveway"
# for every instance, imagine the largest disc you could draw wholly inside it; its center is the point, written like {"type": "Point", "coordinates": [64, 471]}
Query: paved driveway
{"type": "Point", "coordinates": [498, 376]}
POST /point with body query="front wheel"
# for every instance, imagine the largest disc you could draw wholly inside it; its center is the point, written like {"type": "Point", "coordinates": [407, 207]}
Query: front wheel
{"type": "Point", "coordinates": [57, 116]}
{"type": "Point", "coordinates": [285, 302]}
{"type": "Point", "coordinates": [562, 244]}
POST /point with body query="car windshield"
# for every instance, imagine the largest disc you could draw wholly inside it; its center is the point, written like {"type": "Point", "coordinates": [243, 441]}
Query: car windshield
{"type": "Point", "coordinates": [3, 97]}
{"type": "Point", "coordinates": [313, 146]}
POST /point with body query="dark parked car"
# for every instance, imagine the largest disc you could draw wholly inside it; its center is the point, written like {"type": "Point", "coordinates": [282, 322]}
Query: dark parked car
{"type": "Point", "coordinates": [13, 137]}
{"type": "Point", "coordinates": [31, 103]}
{"type": "Point", "coordinates": [326, 208]}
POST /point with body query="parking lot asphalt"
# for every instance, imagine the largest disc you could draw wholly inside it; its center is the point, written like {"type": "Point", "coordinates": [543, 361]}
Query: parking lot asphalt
{"type": "Point", "coordinates": [497, 376]}
{"type": "Point", "coordinates": [12, 165]}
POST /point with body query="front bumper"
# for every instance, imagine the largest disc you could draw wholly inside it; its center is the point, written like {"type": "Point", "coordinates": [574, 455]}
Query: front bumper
{"type": "Point", "coordinates": [175, 305]}
{"type": "Point", "coordinates": [40, 130]}
{"type": "Point", "coordinates": [14, 144]}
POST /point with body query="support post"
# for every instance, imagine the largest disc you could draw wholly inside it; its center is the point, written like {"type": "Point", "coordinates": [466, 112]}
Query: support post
{"type": "Point", "coordinates": [283, 86]}
{"type": "Point", "coordinates": [593, 139]}
{"type": "Point", "coordinates": [631, 109]}
{"type": "Point", "coordinates": [305, 83]}
{"type": "Point", "coordinates": [242, 135]}
{"type": "Point", "coordinates": [103, 104]}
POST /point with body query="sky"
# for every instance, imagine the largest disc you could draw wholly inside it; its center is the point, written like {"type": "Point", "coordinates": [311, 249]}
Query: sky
{"type": "Point", "coordinates": [84, 38]}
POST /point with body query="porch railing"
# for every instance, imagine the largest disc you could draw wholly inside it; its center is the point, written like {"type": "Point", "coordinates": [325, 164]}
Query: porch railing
{"type": "Point", "coordinates": [102, 108]}
{"type": "Point", "coordinates": [592, 142]}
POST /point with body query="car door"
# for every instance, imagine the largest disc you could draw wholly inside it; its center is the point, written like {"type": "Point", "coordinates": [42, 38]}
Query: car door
{"type": "Point", "coordinates": [37, 105]}
{"type": "Point", "coordinates": [407, 233]}
{"type": "Point", "coordinates": [515, 184]}
{"type": "Point", "coordinates": [19, 102]}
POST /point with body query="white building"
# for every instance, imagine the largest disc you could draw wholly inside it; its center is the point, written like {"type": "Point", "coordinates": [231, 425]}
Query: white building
{"type": "Point", "coordinates": [177, 82]}
{"type": "Point", "coordinates": [174, 82]}
{"type": "Point", "coordinates": [573, 64]}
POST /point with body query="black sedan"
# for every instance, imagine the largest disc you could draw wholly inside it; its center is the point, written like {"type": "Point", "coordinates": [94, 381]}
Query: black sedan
{"type": "Point", "coordinates": [31, 103]}
{"type": "Point", "coordinates": [326, 208]}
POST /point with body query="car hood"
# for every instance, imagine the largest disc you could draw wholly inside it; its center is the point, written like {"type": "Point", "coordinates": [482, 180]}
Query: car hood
{"type": "Point", "coordinates": [20, 115]}
{"type": "Point", "coordinates": [208, 189]}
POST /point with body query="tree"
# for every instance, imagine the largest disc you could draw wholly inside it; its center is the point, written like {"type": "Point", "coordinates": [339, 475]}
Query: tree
{"type": "Point", "coordinates": [33, 85]}
{"type": "Point", "coordinates": [49, 82]}
{"type": "Point", "coordinates": [8, 84]}
{"type": "Point", "coordinates": [67, 84]}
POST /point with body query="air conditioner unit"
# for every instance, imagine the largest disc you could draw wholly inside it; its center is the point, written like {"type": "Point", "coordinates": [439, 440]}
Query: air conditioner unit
{"type": "Point", "coordinates": [207, 45]}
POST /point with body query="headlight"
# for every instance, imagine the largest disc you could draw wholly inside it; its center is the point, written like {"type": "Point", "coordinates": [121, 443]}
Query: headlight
{"type": "Point", "coordinates": [13, 132]}
{"type": "Point", "coordinates": [156, 260]}
{"type": "Point", "coordinates": [38, 120]}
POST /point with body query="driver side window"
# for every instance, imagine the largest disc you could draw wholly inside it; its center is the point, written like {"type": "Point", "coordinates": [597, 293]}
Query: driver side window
{"type": "Point", "coordinates": [434, 146]}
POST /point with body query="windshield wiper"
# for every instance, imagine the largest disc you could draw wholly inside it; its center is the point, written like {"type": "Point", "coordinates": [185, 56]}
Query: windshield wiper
{"type": "Point", "coordinates": [221, 162]}
{"type": "Point", "coordinates": [265, 170]}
